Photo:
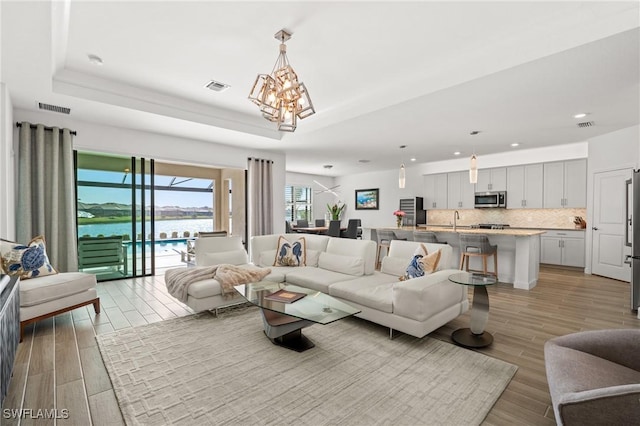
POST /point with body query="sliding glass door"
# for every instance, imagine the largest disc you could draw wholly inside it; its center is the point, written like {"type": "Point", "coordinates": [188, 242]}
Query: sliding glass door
{"type": "Point", "coordinates": [138, 217]}
{"type": "Point", "coordinates": [115, 210]}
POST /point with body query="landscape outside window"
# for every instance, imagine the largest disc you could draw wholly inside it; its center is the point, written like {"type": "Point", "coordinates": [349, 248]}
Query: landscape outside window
{"type": "Point", "coordinates": [106, 211]}
{"type": "Point", "coordinates": [183, 207]}
{"type": "Point", "coordinates": [298, 203]}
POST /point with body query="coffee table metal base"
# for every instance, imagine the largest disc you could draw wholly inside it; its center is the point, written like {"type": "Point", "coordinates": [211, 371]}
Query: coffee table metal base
{"type": "Point", "coordinates": [464, 337]}
{"type": "Point", "coordinates": [296, 341]}
{"type": "Point", "coordinates": [286, 331]}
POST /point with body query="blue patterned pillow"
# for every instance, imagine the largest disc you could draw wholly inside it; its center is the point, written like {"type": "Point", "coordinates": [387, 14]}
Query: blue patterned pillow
{"type": "Point", "coordinates": [27, 261]}
{"type": "Point", "coordinates": [291, 253]}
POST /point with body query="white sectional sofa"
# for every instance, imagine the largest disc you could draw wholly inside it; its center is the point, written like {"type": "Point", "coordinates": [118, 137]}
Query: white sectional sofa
{"type": "Point", "coordinates": [344, 269]}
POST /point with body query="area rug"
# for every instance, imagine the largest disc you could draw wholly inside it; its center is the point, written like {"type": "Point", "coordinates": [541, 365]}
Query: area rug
{"type": "Point", "coordinates": [205, 370]}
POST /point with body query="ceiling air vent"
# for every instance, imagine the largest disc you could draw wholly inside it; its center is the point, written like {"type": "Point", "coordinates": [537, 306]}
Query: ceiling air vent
{"type": "Point", "coordinates": [54, 108]}
{"type": "Point", "coordinates": [216, 86]}
{"type": "Point", "coordinates": [586, 124]}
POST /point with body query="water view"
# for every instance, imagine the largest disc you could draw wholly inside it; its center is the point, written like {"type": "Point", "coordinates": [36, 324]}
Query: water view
{"type": "Point", "coordinates": [176, 227]}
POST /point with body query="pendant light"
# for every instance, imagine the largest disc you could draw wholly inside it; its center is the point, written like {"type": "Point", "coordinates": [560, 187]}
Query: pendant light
{"type": "Point", "coordinates": [473, 165]}
{"type": "Point", "coordinates": [401, 175]}
{"type": "Point", "coordinates": [473, 170]}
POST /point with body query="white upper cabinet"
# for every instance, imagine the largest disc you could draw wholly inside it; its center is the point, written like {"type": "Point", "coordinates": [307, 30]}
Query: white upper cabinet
{"type": "Point", "coordinates": [524, 186]}
{"type": "Point", "coordinates": [565, 184]}
{"type": "Point", "coordinates": [575, 183]}
{"type": "Point", "coordinates": [492, 180]}
{"type": "Point", "coordinates": [435, 194]}
{"type": "Point", "coordinates": [460, 191]}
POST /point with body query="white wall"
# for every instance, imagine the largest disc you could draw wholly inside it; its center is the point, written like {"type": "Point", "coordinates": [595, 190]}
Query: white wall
{"type": "Point", "coordinates": [117, 140]}
{"type": "Point", "coordinates": [7, 169]}
{"type": "Point", "coordinates": [320, 197]}
{"type": "Point", "coordinates": [390, 194]}
{"type": "Point", "coordinates": [613, 151]}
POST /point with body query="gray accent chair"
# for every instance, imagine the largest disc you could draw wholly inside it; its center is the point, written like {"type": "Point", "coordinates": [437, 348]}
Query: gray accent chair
{"type": "Point", "coordinates": [594, 377]}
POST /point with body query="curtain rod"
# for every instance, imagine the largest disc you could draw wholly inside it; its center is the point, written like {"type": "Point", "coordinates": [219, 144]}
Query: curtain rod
{"type": "Point", "coordinates": [33, 126]}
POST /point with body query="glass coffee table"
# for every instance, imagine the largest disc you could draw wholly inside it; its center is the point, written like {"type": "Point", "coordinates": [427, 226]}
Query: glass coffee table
{"type": "Point", "coordinates": [475, 336]}
{"type": "Point", "coordinates": [284, 319]}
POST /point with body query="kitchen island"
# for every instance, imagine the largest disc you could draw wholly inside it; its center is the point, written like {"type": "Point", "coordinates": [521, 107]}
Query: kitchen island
{"type": "Point", "coordinates": [518, 250]}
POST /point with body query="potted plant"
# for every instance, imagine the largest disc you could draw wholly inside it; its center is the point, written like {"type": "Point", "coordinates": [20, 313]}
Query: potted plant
{"type": "Point", "coordinates": [335, 210]}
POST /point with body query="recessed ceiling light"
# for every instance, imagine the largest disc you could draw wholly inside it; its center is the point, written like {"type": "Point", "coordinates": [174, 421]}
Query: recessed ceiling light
{"type": "Point", "coordinates": [515, 144]}
{"type": "Point", "coordinates": [94, 59]}
{"type": "Point", "coordinates": [456, 153]}
{"type": "Point", "coordinates": [581, 115]}
{"type": "Point", "coordinates": [403, 146]}
{"type": "Point", "coordinates": [364, 161]}
{"type": "Point", "coordinates": [328, 166]}
{"type": "Point", "coordinates": [413, 159]}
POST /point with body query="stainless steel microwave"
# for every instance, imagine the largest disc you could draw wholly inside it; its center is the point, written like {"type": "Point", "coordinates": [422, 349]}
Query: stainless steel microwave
{"type": "Point", "coordinates": [495, 199]}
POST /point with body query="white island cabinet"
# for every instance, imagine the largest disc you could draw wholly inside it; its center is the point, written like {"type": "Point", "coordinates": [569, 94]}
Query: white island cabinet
{"type": "Point", "coordinates": [518, 251]}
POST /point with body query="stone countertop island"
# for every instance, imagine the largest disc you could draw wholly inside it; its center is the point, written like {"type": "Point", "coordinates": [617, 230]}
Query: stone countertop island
{"type": "Point", "coordinates": [518, 250]}
{"type": "Point", "coordinates": [466, 230]}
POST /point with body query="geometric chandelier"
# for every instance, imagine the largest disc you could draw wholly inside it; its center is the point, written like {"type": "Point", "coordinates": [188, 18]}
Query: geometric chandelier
{"type": "Point", "coordinates": [281, 98]}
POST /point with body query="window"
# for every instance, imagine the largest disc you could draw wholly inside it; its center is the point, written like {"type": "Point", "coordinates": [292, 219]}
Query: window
{"type": "Point", "coordinates": [298, 203]}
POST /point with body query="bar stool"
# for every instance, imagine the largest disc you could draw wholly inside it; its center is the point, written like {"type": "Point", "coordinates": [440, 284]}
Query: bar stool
{"type": "Point", "coordinates": [478, 245]}
{"type": "Point", "coordinates": [425, 237]}
{"type": "Point", "coordinates": [384, 238]}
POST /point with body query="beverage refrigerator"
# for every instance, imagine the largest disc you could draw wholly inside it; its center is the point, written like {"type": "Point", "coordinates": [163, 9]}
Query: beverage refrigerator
{"type": "Point", "coordinates": [633, 236]}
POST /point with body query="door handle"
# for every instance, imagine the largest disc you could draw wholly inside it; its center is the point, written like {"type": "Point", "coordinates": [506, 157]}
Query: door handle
{"type": "Point", "coordinates": [595, 228]}
{"type": "Point", "coordinates": [627, 260]}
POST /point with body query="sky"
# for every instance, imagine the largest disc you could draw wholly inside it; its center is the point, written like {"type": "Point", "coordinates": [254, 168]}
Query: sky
{"type": "Point", "coordinates": [123, 195]}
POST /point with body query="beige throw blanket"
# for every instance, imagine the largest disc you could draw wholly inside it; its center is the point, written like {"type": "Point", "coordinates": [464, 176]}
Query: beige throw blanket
{"type": "Point", "coordinates": [178, 280]}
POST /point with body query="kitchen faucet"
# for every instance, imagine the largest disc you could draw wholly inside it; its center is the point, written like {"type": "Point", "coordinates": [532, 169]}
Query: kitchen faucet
{"type": "Point", "coordinates": [456, 215]}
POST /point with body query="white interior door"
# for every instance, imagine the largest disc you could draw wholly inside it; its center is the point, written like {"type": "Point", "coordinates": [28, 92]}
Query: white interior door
{"type": "Point", "coordinates": [609, 221]}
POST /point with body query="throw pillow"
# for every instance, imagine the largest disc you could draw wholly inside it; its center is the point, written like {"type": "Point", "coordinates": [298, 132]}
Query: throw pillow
{"type": "Point", "coordinates": [421, 263]}
{"type": "Point", "coordinates": [28, 261]}
{"type": "Point", "coordinates": [414, 270]}
{"type": "Point", "coordinates": [291, 253]}
{"type": "Point", "coordinates": [430, 261]}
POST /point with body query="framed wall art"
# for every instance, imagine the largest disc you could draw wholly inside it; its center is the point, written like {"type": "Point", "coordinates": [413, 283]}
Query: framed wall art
{"type": "Point", "coordinates": [368, 199]}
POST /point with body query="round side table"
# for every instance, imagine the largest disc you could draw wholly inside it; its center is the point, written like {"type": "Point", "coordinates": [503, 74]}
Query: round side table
{"type": "Point", "coordinates": [475, 336]}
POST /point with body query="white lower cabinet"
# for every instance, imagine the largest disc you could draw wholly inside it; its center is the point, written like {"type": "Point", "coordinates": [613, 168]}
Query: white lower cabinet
{"type": "Point", "coordinates": [564, 248]}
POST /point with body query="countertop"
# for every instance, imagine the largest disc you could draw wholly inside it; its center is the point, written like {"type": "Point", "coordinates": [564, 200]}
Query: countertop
{"type": "Point", "coordinates": [535, 228]}
{"type": "Point", "coordinates": [469, 230]}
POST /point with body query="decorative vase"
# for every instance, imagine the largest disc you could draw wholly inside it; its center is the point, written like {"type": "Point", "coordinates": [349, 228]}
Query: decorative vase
{"type": "Point", "coordinates": [399, 221]}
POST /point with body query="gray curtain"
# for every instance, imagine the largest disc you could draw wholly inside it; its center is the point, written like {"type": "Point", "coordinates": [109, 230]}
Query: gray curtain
{"type": "Point", "coordinates": [260, 195]}
{"type": "Point", "coordinates": [46, 193]}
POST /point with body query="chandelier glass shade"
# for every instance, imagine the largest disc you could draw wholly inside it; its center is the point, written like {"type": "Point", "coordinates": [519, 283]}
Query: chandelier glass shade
{"type": "Point", "coordinates": [281, 98]}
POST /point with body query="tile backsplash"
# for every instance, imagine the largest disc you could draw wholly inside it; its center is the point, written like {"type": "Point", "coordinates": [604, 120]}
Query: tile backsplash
{"type": "Point", "coordinates": [518, 218]}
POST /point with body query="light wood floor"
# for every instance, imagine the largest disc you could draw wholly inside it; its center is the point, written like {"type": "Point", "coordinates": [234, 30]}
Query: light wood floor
{"type": "Point", "coordinates": [58, 364]}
